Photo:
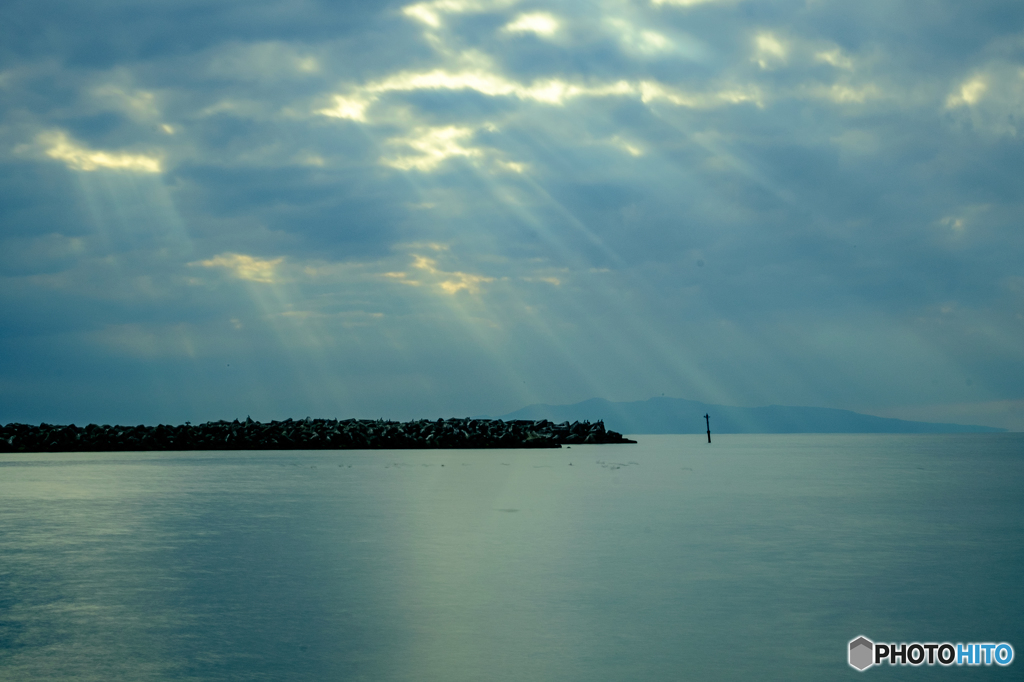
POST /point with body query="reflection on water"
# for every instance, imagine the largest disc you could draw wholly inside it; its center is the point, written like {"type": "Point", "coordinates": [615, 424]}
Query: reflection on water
{"type": "Point", "coordinates": [757, 557]}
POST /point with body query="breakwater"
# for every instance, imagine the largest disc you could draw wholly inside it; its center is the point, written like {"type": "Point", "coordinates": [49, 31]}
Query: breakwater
{"type": "Point", "coordinates": [306, 434]}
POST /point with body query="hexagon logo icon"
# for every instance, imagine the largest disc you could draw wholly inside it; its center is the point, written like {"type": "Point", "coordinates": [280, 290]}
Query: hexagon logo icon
{"type": "Point", "coordinates": [861, 653]}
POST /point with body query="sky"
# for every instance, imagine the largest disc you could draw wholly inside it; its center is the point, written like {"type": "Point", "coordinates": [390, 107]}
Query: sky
{"type": "Point", "coordinates": [288, 208]}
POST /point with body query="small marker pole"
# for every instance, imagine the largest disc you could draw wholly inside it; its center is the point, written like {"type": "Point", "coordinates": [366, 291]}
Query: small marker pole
{"type": "Point", "coordinates": [708, 420]}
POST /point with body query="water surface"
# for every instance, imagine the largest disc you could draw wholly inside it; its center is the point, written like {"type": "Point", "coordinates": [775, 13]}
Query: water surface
{"type": "Point", "coordinates": [757, 557]}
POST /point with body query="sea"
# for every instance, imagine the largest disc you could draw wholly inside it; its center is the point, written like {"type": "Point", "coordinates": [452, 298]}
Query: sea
{"type": "Point", "coordinates": [755, 557]}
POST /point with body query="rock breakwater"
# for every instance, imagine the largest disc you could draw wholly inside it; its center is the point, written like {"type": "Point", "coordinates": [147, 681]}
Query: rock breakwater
{"type": "Point", "coordinates": [306, 434]}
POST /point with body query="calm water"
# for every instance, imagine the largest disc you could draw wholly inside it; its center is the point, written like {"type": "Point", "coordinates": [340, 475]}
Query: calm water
{"type": "Point", "coordinates": [757, 557]}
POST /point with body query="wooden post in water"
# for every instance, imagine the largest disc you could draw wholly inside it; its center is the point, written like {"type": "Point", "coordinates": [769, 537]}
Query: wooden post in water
{"type": "Point", "coordinates": [708, 420]}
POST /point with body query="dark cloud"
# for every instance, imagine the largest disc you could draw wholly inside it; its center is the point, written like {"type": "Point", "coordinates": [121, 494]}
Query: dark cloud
{"type": "Point", "coordinates": [395, 209]}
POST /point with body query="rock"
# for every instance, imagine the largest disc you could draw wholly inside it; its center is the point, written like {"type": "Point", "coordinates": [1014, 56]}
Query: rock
{"type": "Point", "coordinates": [307, 433]}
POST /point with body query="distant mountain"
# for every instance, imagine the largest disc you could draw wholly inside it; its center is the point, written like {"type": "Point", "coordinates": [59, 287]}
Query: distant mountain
{"type": "Point", "coordinates": [674, 415]}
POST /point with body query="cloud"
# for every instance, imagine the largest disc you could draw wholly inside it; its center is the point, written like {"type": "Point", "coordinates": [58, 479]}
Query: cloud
{"type": "Point", "coordinates": [138, 104]}
{"type": "Point", "coordinates": [769, 51]}
{"type": "Point", "coordinates": [655, 92]}
{"type": "Point", "coordinates": [57, 145]}
{"type": "Point", "coordinates": [834, 57]}
{"type": "Point", "coordinates": [629, 147]}
{"type": "Point", "coordinates": [450, 282]}
{"type": "Point", "coordinates": [845, 94]}
{"type": "Point", "coordinates": [991, 99]}
{"type": "Point", "coordinates": [553, 91]}
{"type": "Point", "coordinates": [538, 23]}
{"type": "Point", "coordinates": [433, 146]}
{"type": "Point", "coordinates": [968, 94]}
{"type": "Point", "coordinates": [245, 267]}
{"type": "Point", "coordinates": [352, 108]}
{"type": "Point", "coordinates": [547, 91]}
{"type": "Point", "coordinates": [647, 42]}
{"type": "Point", "coordinates": [429, 273]}
{"type": "Point", "coordinates": [430, 13]}
{"type": "Point", "coordinates": [778, 211]}
{"type": "Point", "coordinates": [689, 3]}
{"type": "Point", "coordinates": [954, 223]}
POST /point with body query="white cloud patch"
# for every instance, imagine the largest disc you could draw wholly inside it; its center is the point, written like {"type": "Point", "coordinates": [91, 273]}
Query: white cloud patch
{"type": "Point", "coordinates": [967, 217]}
{"type": "Point", "coordinates": [992, 99]}
{"type": "Point", "coordinates": [424, 12]}
{"type": "Point", "coordinates": [968, 94]}
{"type": "Point", "coordinates": [554, 91]}
{"type": "Point", "coordinates": [450, 282]}
{"type": "Point", "coordinates": [689, 3]}
{"type": "Point", "coordinates": [953, 222]}
{"type": "Point", "coordinates": [841, 93]}
{"type": "Point", "coordinates": [553, 281]}
{"type": "Point", "coordinates": [137, 104]}
{"type": "Point", "coordinates": [547, 91]}
{"type": "Point", "coordinates": [539, 23]}
{"type": "Point", "coordinates": [652, 91]}
{"type": "Point", "coordinates": [430, 13]}
{"type": "Point", "coordinates": [352, 108]}
{"type": "Point", "coordinates": [639, 41]}
{"type": "Point", "coordinates": [253, 109]}
{"type": "Point", "coordinates": [245, 267]}
{"type": "Point", "coordinates": [769, 51]}
{"type": "Point", "coordinates": [629, 147]}
{"type": "Point", "coordinates": [433, 146]}
{"type": "Point", "coordinates": [834, 57]}
{"type": "Point", "coordinates": [510, 166]}
{"type": "Point", "coordinates": [424, 271]}
{"type": "Point", "coordinates": [58, 145]}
